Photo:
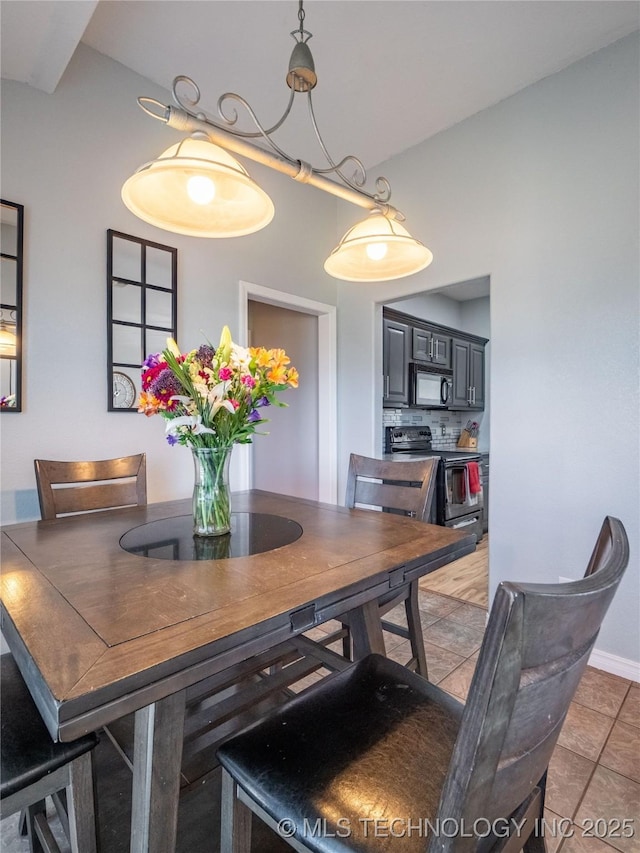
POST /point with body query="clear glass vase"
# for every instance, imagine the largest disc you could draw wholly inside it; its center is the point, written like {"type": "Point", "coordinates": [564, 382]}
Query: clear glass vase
{"type": "Point", "coordinates": [211, 495]}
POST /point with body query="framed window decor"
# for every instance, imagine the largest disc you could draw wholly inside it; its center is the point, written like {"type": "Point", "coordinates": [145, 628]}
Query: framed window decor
{"type": "Point", "coordinates": [142, 280]}
{"type": "Point", "coordinates": [11, 299]}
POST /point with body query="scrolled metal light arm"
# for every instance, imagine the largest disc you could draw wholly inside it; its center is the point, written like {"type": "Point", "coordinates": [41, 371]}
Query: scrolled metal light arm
{"type": "Point", "coordinates": [180, 118]}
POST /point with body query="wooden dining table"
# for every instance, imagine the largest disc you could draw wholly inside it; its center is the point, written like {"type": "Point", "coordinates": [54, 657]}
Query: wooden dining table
{"type": "Point", "coordinates": [113, 613]}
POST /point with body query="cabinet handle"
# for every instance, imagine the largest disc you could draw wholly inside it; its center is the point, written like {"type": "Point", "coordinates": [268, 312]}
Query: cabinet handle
{"type": "Point", "coordinates": [474, 395]}
{"type": "Point", "coordinates": [386, 386]}
{"type": "Point", "coordinates": [431, 348]}
{"type": "Point", "coordinates": [469, 395]}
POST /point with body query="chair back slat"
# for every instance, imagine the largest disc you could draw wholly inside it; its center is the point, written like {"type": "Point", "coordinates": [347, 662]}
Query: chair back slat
{"type": "Point", "coordinates": [535, 650]}
{"type": "Point", "coordinates": [90, 498]}
{"type": "Point", "coordinates": [71, 487]}
{"type": "Point", "coordinates": [407, 486]}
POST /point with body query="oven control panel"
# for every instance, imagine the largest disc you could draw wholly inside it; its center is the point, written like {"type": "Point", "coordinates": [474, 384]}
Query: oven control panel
{"type": "Point", "coordinates": [408, 438]}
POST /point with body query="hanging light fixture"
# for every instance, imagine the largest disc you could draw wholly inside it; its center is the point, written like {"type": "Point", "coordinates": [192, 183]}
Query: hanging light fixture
{"type": "Point", "coordinates": [198, 188]}
{"type": "Point", "coordinates": [377, 249]}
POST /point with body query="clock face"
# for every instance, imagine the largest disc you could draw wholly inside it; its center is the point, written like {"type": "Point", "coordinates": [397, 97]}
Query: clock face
{"type": "Point", "coordinates": [124, 391]}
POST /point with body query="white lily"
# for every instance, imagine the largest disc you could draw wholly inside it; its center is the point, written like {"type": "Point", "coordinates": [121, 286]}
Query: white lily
{"type": "Point", "coordinates": [215, 398]}
{"type": "Point", "coordinates": [193, 422]}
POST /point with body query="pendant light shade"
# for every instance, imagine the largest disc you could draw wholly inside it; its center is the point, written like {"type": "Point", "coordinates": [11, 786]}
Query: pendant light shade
{"type": "Point", "coordinates": [199, 189]}
{"type": "Point", "coordinates": [8, 342]}
{"type": "Point", "coordinates": [377, 249]}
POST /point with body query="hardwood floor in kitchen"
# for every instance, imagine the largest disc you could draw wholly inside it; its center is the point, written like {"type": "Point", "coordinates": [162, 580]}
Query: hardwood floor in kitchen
{"type": "Point", "coordinates": [467, 579]}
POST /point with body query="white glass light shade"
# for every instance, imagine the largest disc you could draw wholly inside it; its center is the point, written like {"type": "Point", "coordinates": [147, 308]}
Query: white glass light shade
{"type": "Point", "coordinates": [8, 342]}
{"type": "Point", "coordinates": [162, 193]}
{"type": "Point", "coordinates": [377, 249]}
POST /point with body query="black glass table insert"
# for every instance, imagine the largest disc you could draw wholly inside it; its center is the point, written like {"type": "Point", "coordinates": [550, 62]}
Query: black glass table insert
{"type": "Point", "coordinates": [173, 539]}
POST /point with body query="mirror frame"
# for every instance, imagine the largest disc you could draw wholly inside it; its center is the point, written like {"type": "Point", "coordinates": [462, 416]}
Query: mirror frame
{"type": "Point", "coordinates": [18, 307]}
{"type": "Point", "coordinates": [141, 282]}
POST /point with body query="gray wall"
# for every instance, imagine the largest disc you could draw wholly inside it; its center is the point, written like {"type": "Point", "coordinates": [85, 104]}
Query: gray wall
{"type": "Point", "coordinates": [541, 193]}
{"type": "Point", "coordinates": [65, 157]}
{"type": "Point", "coordinates": [287, 461]}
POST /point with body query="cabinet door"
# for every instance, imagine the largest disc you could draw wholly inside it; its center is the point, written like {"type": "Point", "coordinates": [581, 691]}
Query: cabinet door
{"type": "Point", "coordinates": [476, 375]}
{"type": "Point", "coordinates": [395, 361]}
{"type": "Point", "coordinates": [430, 347]}
{"type": "Point", "coordinates": [460, 357]}
{"type": "Point", "coordinates": [441, 349]}
{"type": "Point", "coordinates": [421, 345]}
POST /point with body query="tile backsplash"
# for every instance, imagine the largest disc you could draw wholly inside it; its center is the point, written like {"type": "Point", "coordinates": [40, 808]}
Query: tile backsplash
{"type": "Point", "coordinates": [438, 420]}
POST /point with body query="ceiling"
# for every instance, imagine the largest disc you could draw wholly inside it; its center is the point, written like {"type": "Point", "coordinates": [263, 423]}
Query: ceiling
{"type": "Point", "coordinates": [391, 73]}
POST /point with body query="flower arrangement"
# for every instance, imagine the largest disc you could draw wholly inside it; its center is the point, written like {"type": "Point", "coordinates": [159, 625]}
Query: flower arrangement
{"type": "Point", "coordinates": [214, 397]}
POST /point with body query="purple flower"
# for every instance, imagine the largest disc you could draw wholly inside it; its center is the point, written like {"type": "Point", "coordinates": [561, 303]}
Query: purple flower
{"type": "Point", "coordinates": [254, 415]}
{"type": "Point", "coordinates": [205, 355]}
{"type": "Point", "coordinates": [262, 401]}
{"type": "Point", "coordinates": [152, 360]}
{"type": "Point", "coordinates": [172, 439]}
{"type": "Point", "coordinates": [165, 385]}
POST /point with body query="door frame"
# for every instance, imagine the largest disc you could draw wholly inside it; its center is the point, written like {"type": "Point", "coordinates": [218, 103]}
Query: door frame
{"type": "Point", "coordinates": [327, 381]}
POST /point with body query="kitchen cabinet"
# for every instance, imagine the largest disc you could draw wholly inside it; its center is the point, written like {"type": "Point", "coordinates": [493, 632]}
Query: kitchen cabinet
{"type": "Point", "coordinates": [409, 341]}
{"type": "Point", "coordinates": [395, 362]}
{"type": "Point", "coordinates": [468, 374]}
{"type": "Point", "coordinates": [430, 347]}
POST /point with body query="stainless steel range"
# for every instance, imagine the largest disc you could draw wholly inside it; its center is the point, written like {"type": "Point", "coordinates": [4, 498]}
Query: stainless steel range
{"type": "Point", "coordinates": [459, 499]}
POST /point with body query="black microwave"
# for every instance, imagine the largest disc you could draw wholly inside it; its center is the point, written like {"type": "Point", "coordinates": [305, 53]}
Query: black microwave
{"type": "Point", "coordinates": [430, 389]}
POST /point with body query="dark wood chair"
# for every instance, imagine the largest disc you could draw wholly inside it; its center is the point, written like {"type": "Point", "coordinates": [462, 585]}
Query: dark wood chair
{"type": "Point", "coordinates": [72, 487]}
{"type": "Point", "coordinates": [376, 758]}
{"type": "Point", "coordinates": [407, 487]}
{"type": "Point", "coordinates": [34, 767]}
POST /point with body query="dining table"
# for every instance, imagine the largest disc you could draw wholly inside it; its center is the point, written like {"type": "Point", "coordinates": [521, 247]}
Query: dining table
{"type": "Point", "coordinates": [123, 612]}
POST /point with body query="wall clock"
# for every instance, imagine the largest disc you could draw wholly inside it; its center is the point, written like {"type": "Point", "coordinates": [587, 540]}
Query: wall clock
{"type": "Point", "coordinates": [124, 391]}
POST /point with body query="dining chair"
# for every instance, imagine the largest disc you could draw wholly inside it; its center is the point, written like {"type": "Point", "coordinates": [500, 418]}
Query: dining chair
{"type": "Point", "coordinates": [34, 767]}
{"type": "Point", "coordinates": [73, 487]}
{"type": "Point", "coordinates": [376, 758]}
{"type": "Point", "coordinates": [406, 487]}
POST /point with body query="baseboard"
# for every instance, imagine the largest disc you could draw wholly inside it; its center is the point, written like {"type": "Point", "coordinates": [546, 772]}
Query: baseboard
{"type": "Point", "coordinates": [615, 665]}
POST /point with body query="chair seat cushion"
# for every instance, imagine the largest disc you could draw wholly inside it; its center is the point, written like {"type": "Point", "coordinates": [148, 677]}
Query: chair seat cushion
{"type": "Point", "coordinates": [361, 749]}
{"type": "Point", "coordinates": [28, 753]}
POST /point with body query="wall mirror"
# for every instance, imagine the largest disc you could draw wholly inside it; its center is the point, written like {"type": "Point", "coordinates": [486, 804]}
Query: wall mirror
{"type": "Point", "coordinates": [11, 249]}
{"type": "Point", "coordinates": [141, 311]}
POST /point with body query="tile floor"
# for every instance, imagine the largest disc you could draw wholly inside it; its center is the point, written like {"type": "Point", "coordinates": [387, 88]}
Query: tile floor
{"type": "Point", "coordinates": [594, 776]}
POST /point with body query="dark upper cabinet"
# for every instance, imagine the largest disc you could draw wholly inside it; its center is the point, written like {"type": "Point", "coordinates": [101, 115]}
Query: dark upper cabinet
{"type": "Point", "coordinates": [430, 347]}
{"type": "Point", "coordinates": [396, 350]}
{"type": "Point", "coordinates": [476, 375]}
{"type": "Point", "coordinates": [408, 340]}
{"type": "Point", "coordinates": [468, 375]}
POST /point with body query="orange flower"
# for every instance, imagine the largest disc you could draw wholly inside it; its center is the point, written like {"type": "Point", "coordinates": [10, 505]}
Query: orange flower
{"type": "Point", "coordinates": [148, 404]}
{"type": "Point", "coordinates": [279, 357]}
{"type": "Point", "coordinates": [262, 356]}
{"type": "Point", "coordinates": [277, 375]}
{"type": "Point", "coordinates": [292, 377]}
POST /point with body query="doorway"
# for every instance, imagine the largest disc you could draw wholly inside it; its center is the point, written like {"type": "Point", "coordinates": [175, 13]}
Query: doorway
{"type": "Point", "coordinates": [298, 457]}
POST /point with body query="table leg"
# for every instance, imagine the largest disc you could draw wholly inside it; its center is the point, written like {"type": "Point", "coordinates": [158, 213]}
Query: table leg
{"type": "Point", "coordinates": [157, 757]}
{"type": "Point", "coordinates": [366, 630]}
